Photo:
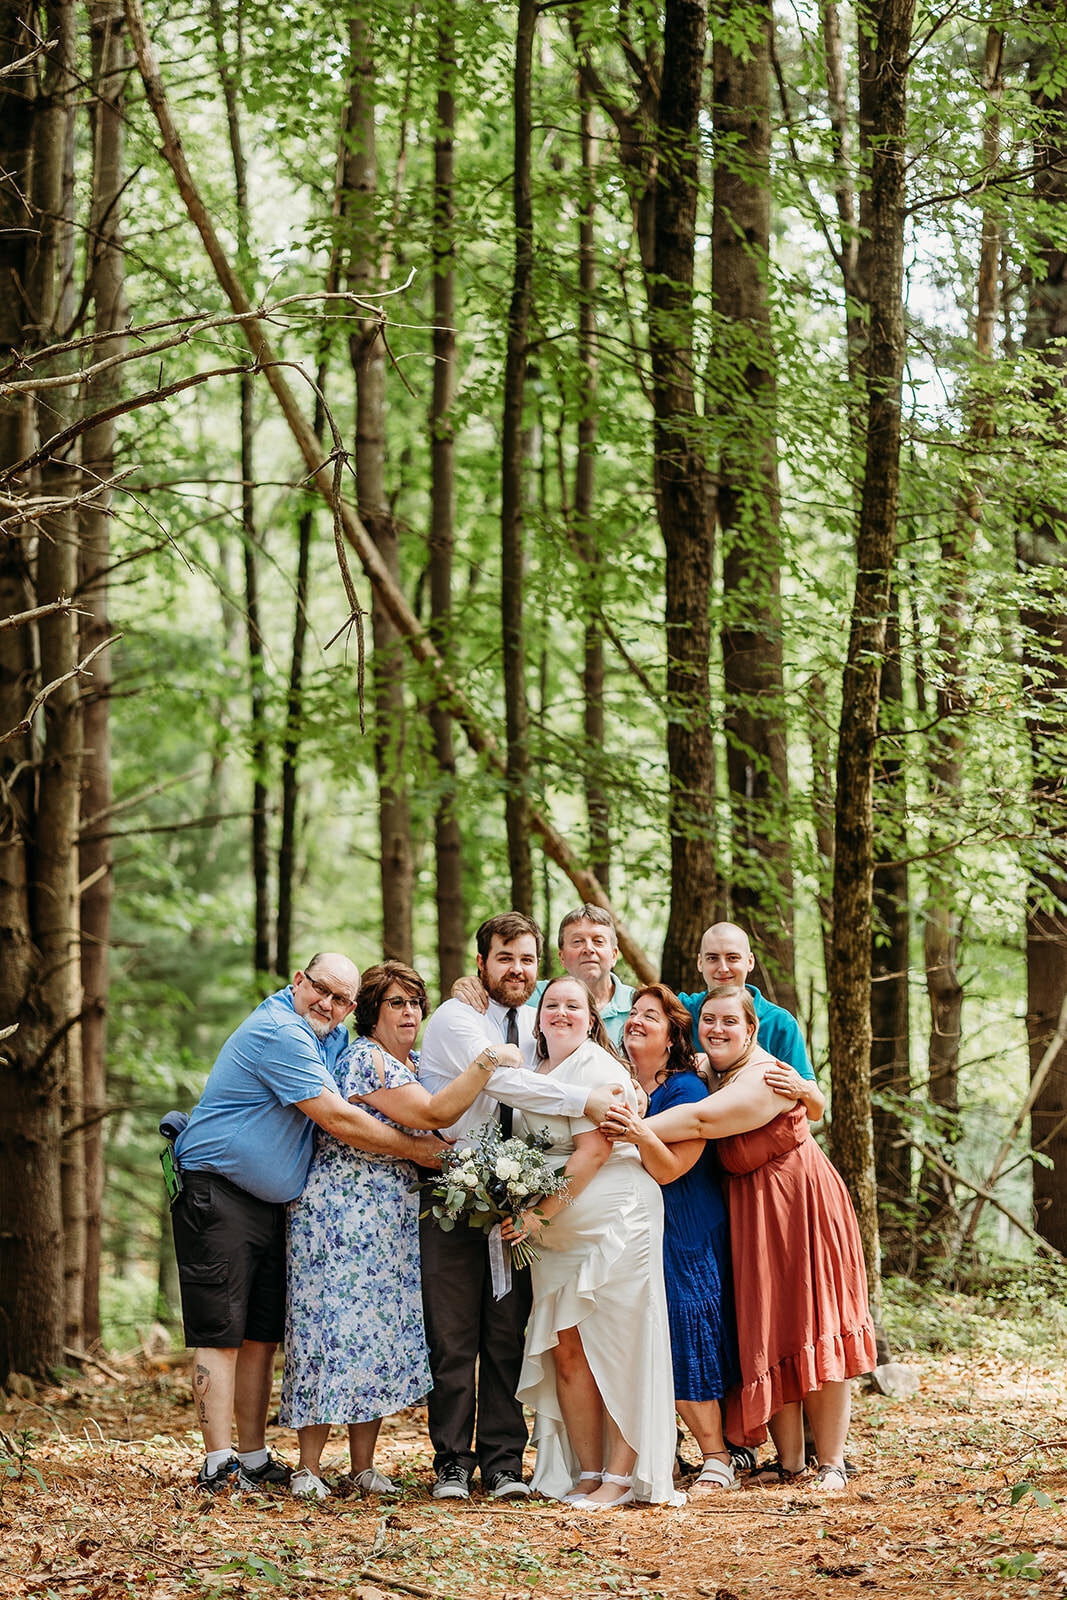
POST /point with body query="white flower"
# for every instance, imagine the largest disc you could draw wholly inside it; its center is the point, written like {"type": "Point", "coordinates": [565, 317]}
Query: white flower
{"type": "Point", "coordinates": [468, 1177]}
{"type": "Point", "coordinates": [506, 1168]}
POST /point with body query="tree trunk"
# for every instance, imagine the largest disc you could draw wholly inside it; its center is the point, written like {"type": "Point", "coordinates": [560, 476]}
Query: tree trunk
{"type": "Point", "coordinates": [512, 452]}
{"type": "Point", "coordinates": [294, 709]}
{"type": "Point", "coordinates": [230, 74]}
{"type": "Point", "coordinates": [748, 502]}
{"type": "Point", "coordinates": [40, 770]}
{"type": "Point", "coordinates": [884, 38]}
{"type": "Point", "coordinates": [110, 64]}
{"type": "Point", "coordinates": [57, 574]}
{"type": "Point", "coordinates": [448, 840]}
{"type": "Point", "coordinates": [367, 349]}
{"type": "Point", "coordinates": [943, 915]}
{"type": "Point", "coordinates": [683, 494]}
{"type": "Point", "coordinates": [890, 947]}
{"type": "Point", "coordinates": [1038, 546]}
{"type": "Point", "coordinates": [294, 700]}
{"type": "Point", "coordinates": [597, 805]}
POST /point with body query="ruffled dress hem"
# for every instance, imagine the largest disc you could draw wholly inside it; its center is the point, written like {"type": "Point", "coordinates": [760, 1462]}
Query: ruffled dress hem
{"type": "Point", "coordinates": [831, 1359]}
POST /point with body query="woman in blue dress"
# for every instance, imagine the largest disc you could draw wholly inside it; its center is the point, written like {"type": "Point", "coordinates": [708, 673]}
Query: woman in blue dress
{"type": "Point", "coordinates": [355, 1345]}
{"type": "Point", "coordinates": [696, 1241]}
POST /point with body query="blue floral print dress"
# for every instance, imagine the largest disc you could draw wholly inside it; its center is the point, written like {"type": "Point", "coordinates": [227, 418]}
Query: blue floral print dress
{"type": "Point", "coordinates": [355, 1346]}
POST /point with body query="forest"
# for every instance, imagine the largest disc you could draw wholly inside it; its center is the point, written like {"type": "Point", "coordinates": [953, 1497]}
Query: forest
{"type": "Point", "coordinates": [474, 456]}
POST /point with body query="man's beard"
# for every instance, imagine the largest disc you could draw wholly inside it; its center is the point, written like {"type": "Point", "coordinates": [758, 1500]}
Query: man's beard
{"type": "Point", "coordinates": [319, 1026]}
{"type": "Point", "coordinates": [510, 991]}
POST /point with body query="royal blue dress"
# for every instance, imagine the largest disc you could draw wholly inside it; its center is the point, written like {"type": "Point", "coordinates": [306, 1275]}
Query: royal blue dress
{"type": "Point", "coordinates": [696, 1265]}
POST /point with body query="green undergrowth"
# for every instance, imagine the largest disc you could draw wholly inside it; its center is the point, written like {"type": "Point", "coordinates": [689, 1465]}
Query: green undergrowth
{"type": "Point", "coordinates": [1006, 1308]}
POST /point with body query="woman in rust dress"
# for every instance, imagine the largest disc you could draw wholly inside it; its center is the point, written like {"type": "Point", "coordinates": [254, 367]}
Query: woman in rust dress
{"type": "Point", "coordinates": [800, 1284]}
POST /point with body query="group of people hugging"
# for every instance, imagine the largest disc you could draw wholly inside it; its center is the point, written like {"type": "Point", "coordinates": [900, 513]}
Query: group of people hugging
{"type": "Point", "coordinates": [702, 1260]}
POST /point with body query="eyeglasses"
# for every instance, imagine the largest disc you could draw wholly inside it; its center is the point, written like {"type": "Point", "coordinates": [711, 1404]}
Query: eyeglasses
{"type": "Point", "coordinates": [324, 992]}
{"type": "Point", "coordinates": [402, 1002]}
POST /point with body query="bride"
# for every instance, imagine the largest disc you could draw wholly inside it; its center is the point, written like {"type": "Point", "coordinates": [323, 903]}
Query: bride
{"type": "Point", "coordinates": [597, 1364]}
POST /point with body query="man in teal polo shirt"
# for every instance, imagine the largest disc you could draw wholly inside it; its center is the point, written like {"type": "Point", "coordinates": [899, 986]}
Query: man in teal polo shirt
{"type": "Point", "coordinates": [726, 957]}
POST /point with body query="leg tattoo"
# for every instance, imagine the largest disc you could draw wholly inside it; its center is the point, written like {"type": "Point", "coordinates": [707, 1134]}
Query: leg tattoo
{"type": "Point", "coordinates": [201, 1385]}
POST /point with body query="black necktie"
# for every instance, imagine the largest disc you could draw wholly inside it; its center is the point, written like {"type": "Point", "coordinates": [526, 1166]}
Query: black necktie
{"type": "Point", "coordinates": [511, 1036]}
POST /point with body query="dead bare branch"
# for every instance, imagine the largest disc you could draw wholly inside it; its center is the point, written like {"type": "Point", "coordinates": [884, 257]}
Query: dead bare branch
{"type": "Point", "coordinates": [39, 699]}
{"type": "Point", "coordinates": [20, 617]}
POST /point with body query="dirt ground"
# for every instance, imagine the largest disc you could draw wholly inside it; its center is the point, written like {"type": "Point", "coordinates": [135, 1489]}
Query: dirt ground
{"type": "Point", "coordinates": [962, 1490]}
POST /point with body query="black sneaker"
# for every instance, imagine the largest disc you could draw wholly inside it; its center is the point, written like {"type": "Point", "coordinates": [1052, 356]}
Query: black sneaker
{"type": "Point", "coordinates": [221, 1481]}
{"type": "Point", "coordinates": [453, 1482]}
{"type": "Point", "coordinates": [507, 1486]}
{"type": "Point", "coordinates": [261, 1480]}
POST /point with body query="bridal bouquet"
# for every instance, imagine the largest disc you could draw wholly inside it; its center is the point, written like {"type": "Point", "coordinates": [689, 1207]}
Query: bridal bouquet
{"type": "Point", "coordinates": [493, 1179]}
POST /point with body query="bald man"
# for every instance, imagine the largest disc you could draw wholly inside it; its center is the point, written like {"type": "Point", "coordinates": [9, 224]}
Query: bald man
{"type": "Point", "coordinates": [244, 1153]}
{"type": "Point", "coordinates": [726, 957]}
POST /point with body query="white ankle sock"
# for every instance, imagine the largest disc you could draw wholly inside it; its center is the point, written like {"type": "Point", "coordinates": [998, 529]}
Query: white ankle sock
{"type": "Point", "coordinates": [214, 1459]}
{"type": "Point", "coordinates": [253, 1458]}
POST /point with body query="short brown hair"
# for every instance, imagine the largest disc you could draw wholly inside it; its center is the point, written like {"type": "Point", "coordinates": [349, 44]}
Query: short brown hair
{"type": "Point", "coordinates": [587, 913]}
{"type": "Point", "coordinates": [681, 1057]}
{"type": "Point", "coordinates": [376, 981]}
{"type": "Point", "coordinates": [507, 925]}
{"type": "Point", "coordinates": [597, 1031]}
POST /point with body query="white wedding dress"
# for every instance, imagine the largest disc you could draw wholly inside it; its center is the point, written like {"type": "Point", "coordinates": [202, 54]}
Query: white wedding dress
{"type": "Point", "coordinates": [601, 1271]}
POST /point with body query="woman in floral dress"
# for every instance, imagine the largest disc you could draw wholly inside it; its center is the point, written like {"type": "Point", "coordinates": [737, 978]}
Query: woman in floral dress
{"type": "Point", "coordinates": [355, 1348]}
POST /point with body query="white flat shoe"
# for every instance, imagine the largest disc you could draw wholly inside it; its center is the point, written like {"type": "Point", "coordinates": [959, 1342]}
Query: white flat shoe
{"type": "Point", "coordinates": [577, 1494]}
{"type": "Point", "coordinates": [625, 1499]}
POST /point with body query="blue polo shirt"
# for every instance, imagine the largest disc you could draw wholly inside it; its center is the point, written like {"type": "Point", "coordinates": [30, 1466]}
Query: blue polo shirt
{"type": "Point", "coordinates": [614, 1014]}
{"type": "Point", "coordinates": [246, 1126]}
{"type": "Point", "coordinates": [778, 1031]}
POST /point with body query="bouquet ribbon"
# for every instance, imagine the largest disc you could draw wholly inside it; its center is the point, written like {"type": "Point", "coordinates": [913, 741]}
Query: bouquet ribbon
{"type": "Point", "coordinates": [499, 1263]}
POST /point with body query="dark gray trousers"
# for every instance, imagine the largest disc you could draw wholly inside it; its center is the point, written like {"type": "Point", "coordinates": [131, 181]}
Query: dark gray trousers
{"type": "Point", "coordinates": [475, 1352]}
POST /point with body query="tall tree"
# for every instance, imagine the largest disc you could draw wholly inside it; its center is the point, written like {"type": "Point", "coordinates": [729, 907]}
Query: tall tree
{"type": "Point", "coordinates": [890, 942]}
{"type": "Point", "coordinates": [513, 466]}
{"type": "Point", "coordinates": [230, 67]}
{"type": "Point", "coordinates": [1039, 552]}
{"type": "Point", "coordinates": [945, 903]}
{"type": "Point", "coordinates": [40, 766]}
{"type": "Point", "coordinates": [448, 841]}
{"type": "Point", "coordinates": [683, 495]}
{"type": "Point", "coordinates": [106, 284]}
{"type": "Point", "coordinates": [597, 804]}
{"type": "Point", "coordinates": [884, 46]}
{"type": "Point", "coordinates": [749, 506]}
{"type": "Point", "coordinates": [368, 265]}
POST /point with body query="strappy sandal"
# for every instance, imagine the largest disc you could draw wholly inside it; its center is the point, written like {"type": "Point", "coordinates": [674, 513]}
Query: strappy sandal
{"type": "Point", "coordinates": [714, 1475]}
{"type": "Point", "coordinates": [575, 1494]}
{"type": "Point", "coordinates": [830, 1480]}
{"type": "Point", "coordinates": [772, 1475]}
{"type": "Point", "coordinates": [609, 1505]}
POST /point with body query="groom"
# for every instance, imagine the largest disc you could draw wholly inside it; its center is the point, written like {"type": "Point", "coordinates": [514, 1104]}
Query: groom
{"type": "Point", "coordinates": [476, 1340]}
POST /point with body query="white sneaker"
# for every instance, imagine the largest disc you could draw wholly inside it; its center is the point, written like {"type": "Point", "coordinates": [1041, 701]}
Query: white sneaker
{"type": "Point", "coordinates": [306, 1486]}
{"type": "Point", "coordinates": [371, 1481]}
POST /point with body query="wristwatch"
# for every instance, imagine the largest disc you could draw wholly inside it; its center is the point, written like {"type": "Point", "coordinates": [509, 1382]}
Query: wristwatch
{"type": "Point", "coordinates": [494, 1059]}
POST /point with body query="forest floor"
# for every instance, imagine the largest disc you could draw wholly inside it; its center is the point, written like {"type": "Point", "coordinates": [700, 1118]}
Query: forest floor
{"type": "Point", "coordinates": [962, 1491]}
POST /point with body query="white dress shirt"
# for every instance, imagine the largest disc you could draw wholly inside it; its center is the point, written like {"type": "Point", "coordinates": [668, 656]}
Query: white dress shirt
{"type": "Point", "coordinates": [456, 1033]}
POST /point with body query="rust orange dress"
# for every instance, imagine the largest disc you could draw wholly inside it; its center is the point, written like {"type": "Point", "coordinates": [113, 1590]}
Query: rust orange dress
{"type": "Point", "coordinates": [800, 1284]}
